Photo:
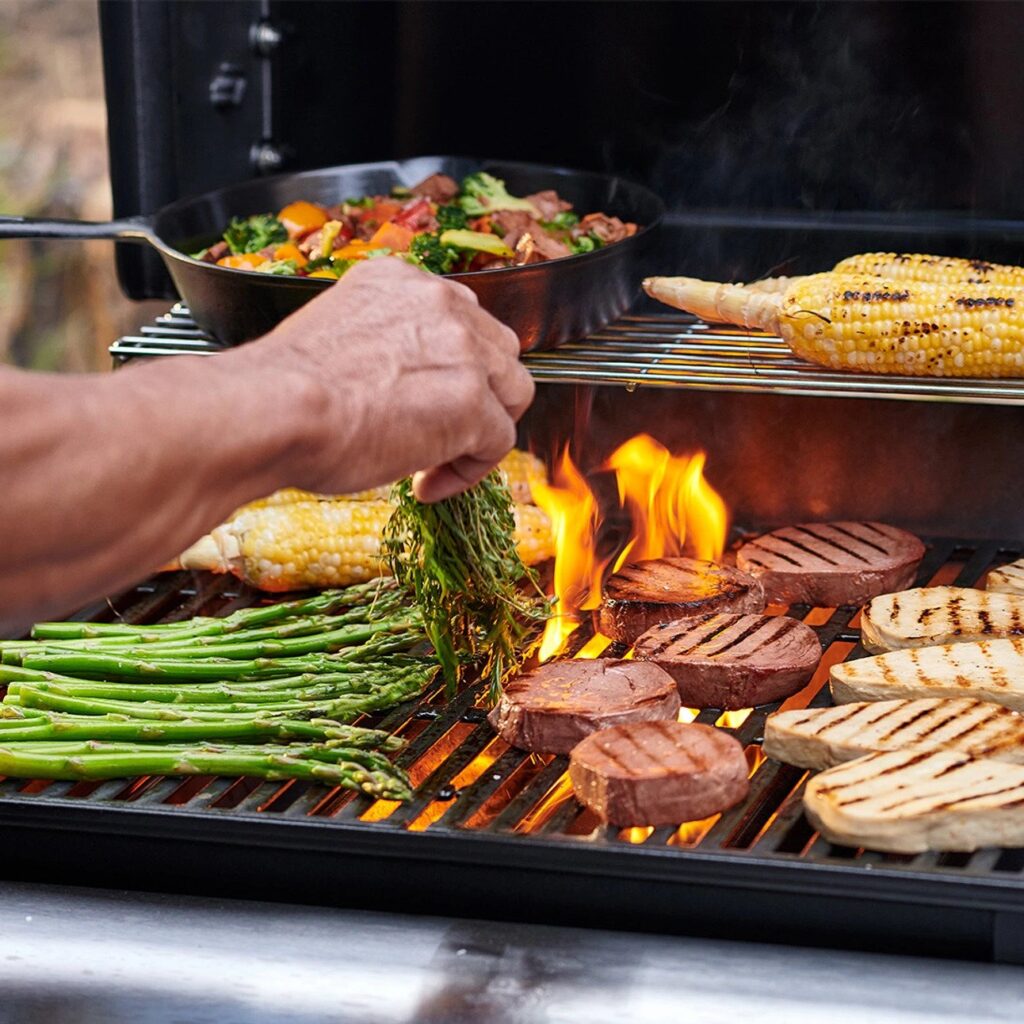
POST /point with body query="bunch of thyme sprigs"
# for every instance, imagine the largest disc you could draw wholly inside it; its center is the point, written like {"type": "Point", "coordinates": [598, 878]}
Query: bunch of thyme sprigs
{"type": "Point", "coordinates": [480, 604]}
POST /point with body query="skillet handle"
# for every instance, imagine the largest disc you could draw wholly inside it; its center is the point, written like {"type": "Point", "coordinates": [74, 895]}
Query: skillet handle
{"type": "Point", "coordinates": [127, 230]}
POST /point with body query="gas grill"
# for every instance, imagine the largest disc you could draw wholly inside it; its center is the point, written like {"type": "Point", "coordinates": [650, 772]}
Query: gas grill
{"type": "Point", "coordinates": [495, 829]}
{"type": "Point", "coordinates": [200, 95]}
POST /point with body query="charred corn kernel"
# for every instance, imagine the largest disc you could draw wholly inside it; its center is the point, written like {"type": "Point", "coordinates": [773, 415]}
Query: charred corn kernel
{"type": "Point", "coordinates": [912, 328]}
{"type": "Point", "coordinates": [520, 471]}
{"type": "Point", "coordinates": [935, 269]}
{"type": "Point", "coordinates": [303, 544]}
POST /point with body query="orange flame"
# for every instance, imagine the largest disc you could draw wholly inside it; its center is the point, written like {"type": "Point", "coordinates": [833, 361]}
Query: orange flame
{"type": "Point", "coordinates": [672, 509]}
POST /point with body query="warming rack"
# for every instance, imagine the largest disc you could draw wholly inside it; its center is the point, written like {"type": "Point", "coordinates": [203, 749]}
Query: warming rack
{"type": "Point", "coordinates": [663, 350]}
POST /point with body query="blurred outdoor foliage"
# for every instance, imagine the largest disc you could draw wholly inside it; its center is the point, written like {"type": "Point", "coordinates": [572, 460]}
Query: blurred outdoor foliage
{"type": "Point", "coordinates": [60, 306]}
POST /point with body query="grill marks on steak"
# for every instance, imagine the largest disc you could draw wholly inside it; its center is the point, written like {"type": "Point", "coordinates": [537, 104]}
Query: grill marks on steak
{"type": "Point", "coordinates": [552, 708]}
{"type": "Point", "coordinates": [658, 773]}
{"type": "Point", "coordinates": [831, 564]}
{"type": "Point", "coordinates": [683, 590]}
{"type": "Point", "coordinates": [733, 661]}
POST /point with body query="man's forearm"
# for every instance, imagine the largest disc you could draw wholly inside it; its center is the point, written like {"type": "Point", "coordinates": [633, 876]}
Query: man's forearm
{"type": "Point", "coordinates": [107, 477]}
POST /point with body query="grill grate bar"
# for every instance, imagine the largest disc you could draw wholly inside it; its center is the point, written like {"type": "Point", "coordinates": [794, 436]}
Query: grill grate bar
{"type": "Point", "coordinates": [668, 349]}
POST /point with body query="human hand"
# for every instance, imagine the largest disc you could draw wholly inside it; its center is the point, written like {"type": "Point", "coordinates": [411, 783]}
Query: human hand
{"type": "Point", "coordinates": [402, 372]}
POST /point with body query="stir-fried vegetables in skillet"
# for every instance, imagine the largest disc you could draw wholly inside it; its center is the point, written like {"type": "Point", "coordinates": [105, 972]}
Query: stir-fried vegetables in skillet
{"type": "Point", "coordinates": [439, 225]}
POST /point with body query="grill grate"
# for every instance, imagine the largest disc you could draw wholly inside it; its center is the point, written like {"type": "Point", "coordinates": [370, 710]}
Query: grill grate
{"type": "Point", "coordinates": [666, 350]}
{"type": "Point", "coordinates": [468, 779]}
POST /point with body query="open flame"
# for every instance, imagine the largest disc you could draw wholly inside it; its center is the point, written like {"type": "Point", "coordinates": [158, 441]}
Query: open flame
{"type": "Point", "coordinates": [672, 510]}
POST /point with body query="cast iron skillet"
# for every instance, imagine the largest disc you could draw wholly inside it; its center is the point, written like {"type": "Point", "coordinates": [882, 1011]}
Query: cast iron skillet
{"type": "Point", "coordinates": [545, 303]}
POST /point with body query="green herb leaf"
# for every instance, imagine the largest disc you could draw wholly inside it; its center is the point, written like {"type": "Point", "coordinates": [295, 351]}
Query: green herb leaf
{"type": "Point", "coordinates": [480, 604]}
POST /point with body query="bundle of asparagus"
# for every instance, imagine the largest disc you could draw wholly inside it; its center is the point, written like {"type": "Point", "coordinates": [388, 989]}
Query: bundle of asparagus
{"type": "Point", "coordinates": [264, 692]}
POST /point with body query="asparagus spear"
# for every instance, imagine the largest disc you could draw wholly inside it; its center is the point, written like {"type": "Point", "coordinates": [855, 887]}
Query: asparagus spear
{"type": "Point", "coordinates": [345, 769]}
{"type": "Point", "coordinates": [343, 708]}
{"type": "Point", "coordinates": [51, 726]}
{"type": "Point", "coordinates": [325, 603]}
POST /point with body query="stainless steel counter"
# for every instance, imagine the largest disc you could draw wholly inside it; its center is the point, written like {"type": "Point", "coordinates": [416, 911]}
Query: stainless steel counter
{"type": "Point", "coordinates": [92, 956]}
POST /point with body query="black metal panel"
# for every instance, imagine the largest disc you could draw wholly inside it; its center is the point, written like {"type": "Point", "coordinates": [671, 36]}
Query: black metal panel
{"type": "Point", "coordinates": [167, 138]}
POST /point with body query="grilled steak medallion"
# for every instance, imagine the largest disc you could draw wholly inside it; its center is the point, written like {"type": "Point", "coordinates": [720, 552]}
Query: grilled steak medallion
{"type": "Point", "coordinates": [832, 564]}
{"type": "Point", "coordinates": [733, 661]}
{"type": "Point", "coordinates": [552, 708]}
{"type": "Point", "coordinates": [818, 738]}
{"type": "Point", "coordinates": [1007, 579]}
{"type": "Point", "coordinates": [914, 800]}
{"type": "Point", "coordinates": [990, 670]}
{"type": "Point", "coordinates": [658, 773]}
{"type": "Point", "coordinates": [640, 596]}
{"type": "Point", "coordinates": [940, 615]}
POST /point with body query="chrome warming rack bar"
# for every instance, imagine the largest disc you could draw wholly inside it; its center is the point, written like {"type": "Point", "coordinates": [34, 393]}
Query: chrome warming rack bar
{"type": "Point", "coordinates": [663, 350]}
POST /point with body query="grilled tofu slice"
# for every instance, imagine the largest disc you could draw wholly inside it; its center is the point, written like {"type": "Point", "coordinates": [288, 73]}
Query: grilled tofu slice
{"type": "Point", "coordinates": [909, 801]}
{"type": "Point", "coordinates": [819, 738]}
{"type": "Point", "coordinates": [989, 670]}
{"type": "Point", "coordinates": [939, 615]}
{"type": "Point", "coordinates": [1007, 579]}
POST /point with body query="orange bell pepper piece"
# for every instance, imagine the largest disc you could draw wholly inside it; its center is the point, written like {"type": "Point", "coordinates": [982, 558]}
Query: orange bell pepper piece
{"type": "Point", "coordinates": [301, 218]}
{"type": "Point", "coordinates": [242, 261]}
{"type": "Point", "coordinates": [354, 250]}
{"type": "Point", "coordinates": [290, 251]}
{"type": "Point", "coordinates": [392, 236]}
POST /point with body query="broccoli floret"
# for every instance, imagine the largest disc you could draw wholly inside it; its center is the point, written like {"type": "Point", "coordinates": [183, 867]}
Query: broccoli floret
{"type": "Point", "coordinates": [561, 221]}
{"type": "Point", "coordinates": [451, 218]}
{"type": "Point", "coordinates": [250, 234]}
{"type": "Point", "coordinates": [432, 255]}
{"type": "Point", "coordinates": [585, 243]}
{"type": "Point", "coordinates": [483, 193]}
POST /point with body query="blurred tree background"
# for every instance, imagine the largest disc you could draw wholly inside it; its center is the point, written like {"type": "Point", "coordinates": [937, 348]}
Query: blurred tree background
{"type": "Point", "coordinates": [60, 306]}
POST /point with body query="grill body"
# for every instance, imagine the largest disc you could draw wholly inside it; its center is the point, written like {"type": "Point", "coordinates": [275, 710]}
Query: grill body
{"type": "Point", "coordinates": [495, 832]}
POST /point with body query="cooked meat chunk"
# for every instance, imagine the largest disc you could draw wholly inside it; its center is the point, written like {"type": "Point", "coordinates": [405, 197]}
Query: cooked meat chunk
{"type": "Point", "coordinates": [438, 187]}
{"type": "Point", "coordinates": [549, 203]}
{"type": "Point", "coordinates": [512, 225]}
{"type": "Point", "coordinates": [608, 229]}
{"type": "Point", "coordinates": [658, 773]}
{"type": "Point", "coordinates": [550, 709]}
{"type": "Point", "coordinates": [830, 564]}
{"type": "Point", "coordinates": [217, 251]}
{"type": "Point", "coordinates": [733, 661]}
{"type": "Point", "coordinates": [682, 590]}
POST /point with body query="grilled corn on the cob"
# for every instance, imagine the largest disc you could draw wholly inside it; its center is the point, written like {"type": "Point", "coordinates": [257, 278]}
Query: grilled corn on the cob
{"type": "Point", "coordinates": [871, 324]}
{"type": "Point", "coordinates": [935, 269]}
{"type": "Point", "coordinates": [904, 266]}
{"type": "Point", "coordinates": [520, 470]}
{"type": "Point", "coordinates": [323, 543]}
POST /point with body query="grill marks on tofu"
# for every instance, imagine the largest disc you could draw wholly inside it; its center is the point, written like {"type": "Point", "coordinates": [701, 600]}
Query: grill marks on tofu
{"type": "Point", "coordinates": [684, 590]}
{"type": "Point", "coordinates": [929, 616]}
{"type": "Point", "coordinates": [830, 564]}
{"type": "Point", "coordinates": [990, 670]}
{"type": "Point", "coordinates": [658, 773]}
{"type": "Point", "coordinates": [910, 801]}
{"type": "Point", "coordinates": [733, 661]}
{"type": "Point", "coordinates": [1007, 579]}
{"type": "Point", "coordinates": [821, 737]}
